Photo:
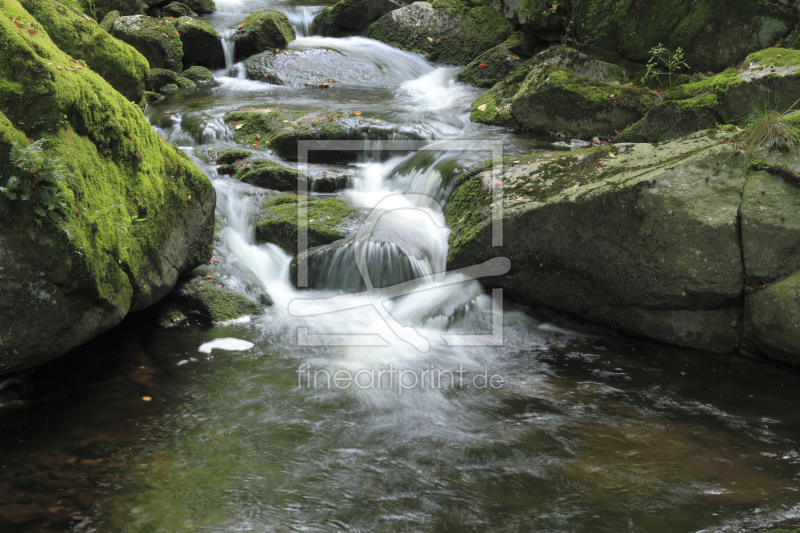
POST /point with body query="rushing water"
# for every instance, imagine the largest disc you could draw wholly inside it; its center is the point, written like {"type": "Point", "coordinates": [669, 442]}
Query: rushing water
{"type": "Point", "coordinates": [577, 432]}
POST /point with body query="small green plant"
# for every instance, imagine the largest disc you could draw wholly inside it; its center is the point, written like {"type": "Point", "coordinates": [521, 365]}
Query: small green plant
{"type": "Point", "coordinates": [766, 127]}
{"type": "Point", "coordinates": [660, 57]}
{"type": "Point", "coordinates": [39, 185]}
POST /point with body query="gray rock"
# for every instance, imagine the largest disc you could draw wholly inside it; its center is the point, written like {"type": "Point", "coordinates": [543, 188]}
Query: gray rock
{"type": "Point", "coordinates": [202, 45]}
{"type": "Point", "coordinates": [156, 39]}
{"type": "Point", "coordinates": [352, 16]}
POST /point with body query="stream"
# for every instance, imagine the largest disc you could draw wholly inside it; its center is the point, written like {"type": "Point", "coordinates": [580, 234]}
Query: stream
{"type": "Point", "coordinates": [552, 431]}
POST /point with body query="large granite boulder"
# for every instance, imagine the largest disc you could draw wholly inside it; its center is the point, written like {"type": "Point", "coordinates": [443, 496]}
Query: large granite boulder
{"type": "Point", "coordinates": [78, 273]}
{"type": "Point", "coordinates": [448, 32]}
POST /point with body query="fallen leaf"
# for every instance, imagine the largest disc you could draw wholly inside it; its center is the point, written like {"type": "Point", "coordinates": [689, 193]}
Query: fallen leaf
{"type": "Point", "coordinates": [358, 113]}
{"type": "Point", "coordinates": [430, 40]}
{"type": "Point", "coordinates": [481, 65]}
{"type": "Point", "coordinates": [146, 398]}
{"type": "Point", "coordinates": [292, 194]}
{"type": "Point", "coordinates": [285, 121]}
{"type": "Point", "coordinates": [482, 107]}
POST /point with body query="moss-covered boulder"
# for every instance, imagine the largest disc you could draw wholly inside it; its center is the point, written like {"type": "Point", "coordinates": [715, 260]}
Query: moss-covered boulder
{"type": "Point", "coordinates": [202, 45]}
{"type": "Point", "coordinates": [98, 9]}
{"type": "Point", "coordinates": [201, 7]}
{"type": "Point", "coordinates": [107, 22]}
{"type": "Point", "coordinates": [270, 175]}
{"type": "Point", "coordinates": [228, 157]}
{"type": "Point", "coordinates": [156, 39]}
{"type": "Point", "coordinates": [198, 75]}
{"type": "Point", "coordinates": [639, 238]}
{"type": "Point", "coordinates": [262, 30]}
{"type": "Point", "coordinates": [208, 297]}
{"type": "Point", "coordinates": [177, 9]}
{"type": "Point", "coordinates": [81, 37]}
{"type": "Point", "coordinates": [494, 65]}
{"type": "Point", "coordinates": [562, 90]}
{"type": "Point", "coordinates": [327, 221]}
{"type": "Point", "coordinates": [150, 96]}
{"type": "Point", "coordinates": [445, 31]}
{"type": "Point", "coordinates": [83, 275]}
{"type": "Point", "coordinates": [772, 320]}
{"type": "Point", "coordinates": [330, 183]}
{"type": "Point", "coordinates": [714, 34]}
{"type": "Point", "coordinates": [672, 119]}
{"type": "Point", "coordinates": [352, 16]}
{"type": "Point", "coordinates": [282, 130]}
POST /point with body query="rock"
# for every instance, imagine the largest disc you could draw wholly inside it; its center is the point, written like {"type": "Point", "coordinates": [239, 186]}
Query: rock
{"type": "Point", "coordinates": [270, 175]}
{"type": "Point", "coordinates": [232, 156]}
{"type": "Point", "coordinates": [770, 215]}
{"type": "Point", "coordinates": [208, 297]}
{"type": "Point", "coordinates": [713, 38]}
{"type": "Point", "coordinates": [352, 16]}
{"type": "Point", "coordinates": [99, 9]}
{"type": "Point", "coordinates": [262, 30]}
{"type": "Point", "coordinates": [176, 9]}
{"type": "Point", "coordinates": [199, 75]}
{"type": "Point", "coordinates": [107, 22]}
{"type": "Point", "coordinates": [57, 292]}
{"type": "Point", "coordinates": [156, 39]}
{"type": "Point", "coordinates": [328, 183]}
{"type": "Point", "coordinates": [121, 66]}
{"type": "Point", "coordinates": [646, 242]}
{"type": "Point", "coordinates": [448, 32]}
{"type": "Point", "coordinates": [672, 119]}
{"type": "Point", "coordinates": [201, 7]}
{"type": "Point", "coordinates": [161, 78]}
{"type": "Point", "coordinates": [562, 90]}
{"type": "Point", "coordinates": [150, 96]}
{"type": "Point", "coordinates": [202, 45]}
{"type": "Point", "coordinates": [493, 65]}
{"type": "Point", "coordinates": [532, 18]}
{"type": "Point", "coordinates": [169, 88]}
{"type": "Point", "coordinates": [771, 323]}
{"type": "Point", "coordinates": [327, 221]}
{"type": "Point", "coordinates": [281, 130]}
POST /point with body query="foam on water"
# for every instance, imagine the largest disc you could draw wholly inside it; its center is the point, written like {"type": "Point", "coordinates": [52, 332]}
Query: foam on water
{"type": "Point", "coordinates": [230, 344]}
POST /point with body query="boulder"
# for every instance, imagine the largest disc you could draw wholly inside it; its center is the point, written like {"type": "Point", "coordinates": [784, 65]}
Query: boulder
{"type": "Point", "coordinates": [645, 241]}
{"type": "Point", "coordinates": [672, 119]}
{"type": "Point", "coordinates": [202, 45]}
{"type": "Point", "coordinates": [208, 297]}
{"type": "Point", "coordinates": [99, 9]}
{"type": "Point", "coordinates": [328, 220]}
{"type": "Point", "coordinates": [262, 30]}
{"type": "Point", "coordinates": [176, 9]}
{"type": "Point", "coordinates": [228, 157]}
{"type": "Point", "coordinates": [199, 75]}
{"type": "Point", "coordinates": [310, 67]}
{"type": "Point", "coordinates": [201, 7]}
{"type": "Point", "coordinates": [330, 183]}
{"type": "Point", "coordinates": [772, 320]}
{"type": "Point", "coordinates": [107, 22]}
{"type": "Point", "coordinates": [160, 78]}
{"type": "Point", "coordinates": [270, 175]}
{"type": "Point", "coordinates": [494, 65]}
{"type": "Point", "coordinates": [81, 275]}
{"type": "Point", "coordinates": [562, 90]}
{"type": "Point", "coordinates": [281, 130]}
{"type": "Point", "coordinates": [156, 39]}
{"type": "Point", "coordinates": [352, 16]}
{"type": "Point", "coordinates": [445, 31]}
{"type": "Point", "coordinates": [79, 36]}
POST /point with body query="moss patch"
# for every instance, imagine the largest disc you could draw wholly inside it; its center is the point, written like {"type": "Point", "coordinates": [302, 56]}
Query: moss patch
{"type": "Point", "coordinates": [326, 220]}
{"type": "Point", "coordinates": [270, 175]}
{"type": "Point", "coordinates": [208, 297]}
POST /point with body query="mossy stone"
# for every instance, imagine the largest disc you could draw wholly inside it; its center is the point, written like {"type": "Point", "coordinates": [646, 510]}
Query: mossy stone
{"type": "Point", "coordinates": [325, 221]}
{"type": "Point", "coordinates": [459, 32]}
{"type": "Point", "coordinates": [177, 9]}
{"type": "Point", "coordinates": [79, 36]}
{"type": "Point", "coordinates": [351, 16]}
{"type": "Point", "coordinates": [494, 65]}
{"type": "Point", "coordinates": [202, 45]}
{"type": "Point", "coordinates": [201, 7]}
{"type": "Point", "coordinates": [198, 74]}
{"type": "Point", "coordinates": [107, 22]}
{"type": "Point", "coordinates": [159, 77]}
{"type": "Point", "coordinates": [209, 299]}
{"type": "Point", "coordinates": [118, 167]}
{"type": "Point", "coordinates": [673, 119]}
{"type": "Point", "coordinates": [262, 30]}
{"type": "Point", "coordinates": [150, 96]}
{"type": "Point", "coordinates": [156, 39]}
{"type": "Point", "coordinates": [772, 320]}
{"type": "Point", "coordinates": [271, 175]}
{"type": "Point", "coordinates": [232, 156]}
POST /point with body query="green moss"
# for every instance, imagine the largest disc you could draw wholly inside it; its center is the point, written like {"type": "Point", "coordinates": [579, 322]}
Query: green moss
{"type": "Point", "coordinates": [498, 62]}
{"type": "Point", "coordinates": [262, 30]}
{"type": "Point", "coordinates": [198, 74]}
{"type": "Point", "coordinates": [82, 38]}
{"type": "Point", "coordinates": [769, 57]}
{"type": "Point", "coordinates": [713, 85]}
{"type": "Point", "coordinates": [204, 296]}
{"type": "Point", "coordinates": [459, 33]}
{"type": "Point", "coordinates": [115, 159]}
{"type": "Point", "coordinates": [232, 156]}
{"type": "Point", "coordinates": [270, 175]}
{"type": "Point", "coordinates": [278, 221]}
{"type": "Point", "coordinates": [177, 9]}
{"type": "Point", "coordinates": [156, 39]}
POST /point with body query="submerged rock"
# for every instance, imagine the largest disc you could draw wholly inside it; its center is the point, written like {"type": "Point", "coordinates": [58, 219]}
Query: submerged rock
{"type": "Point", "coordinates": [352, 16]}
{"type": "Point", "coordinates": [327, 221]}
{"type": "Point", "coordinates": [448, 32]}
{"type": "Point", "coordinates": [202, 45]}
{"type": "Point", "coordinates": [80, 37]}
{"type": "Point", "coordinates": [83, 276]}
{"type": "Point", "coordinates": [208, 297]}
{"type": "Point", "coordinates": [263, 30]}
{"type": "Point", "coordinates": [156, 39]}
